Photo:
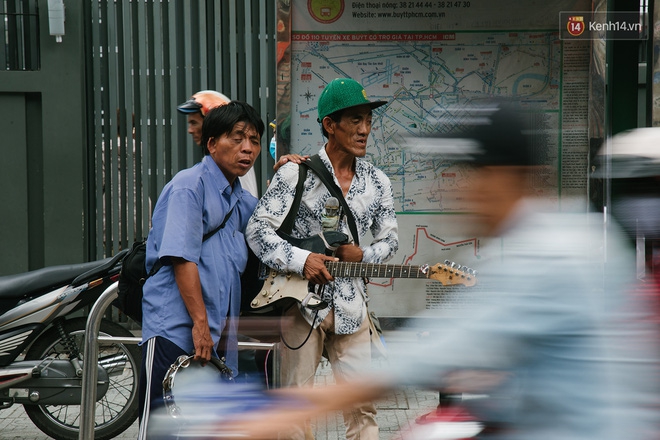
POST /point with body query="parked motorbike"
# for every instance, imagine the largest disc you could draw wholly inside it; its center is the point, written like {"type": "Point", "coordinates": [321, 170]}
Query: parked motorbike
{"type": "Point", "coordinates": [41, 350]}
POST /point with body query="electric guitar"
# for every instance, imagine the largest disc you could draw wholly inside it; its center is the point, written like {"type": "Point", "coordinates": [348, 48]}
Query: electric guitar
{"type": "Point", "coordinates": [279, 286]}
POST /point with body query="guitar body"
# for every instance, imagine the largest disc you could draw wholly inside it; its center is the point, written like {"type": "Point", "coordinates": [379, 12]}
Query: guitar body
{"type": "Point", "coordinates": [283, 289]}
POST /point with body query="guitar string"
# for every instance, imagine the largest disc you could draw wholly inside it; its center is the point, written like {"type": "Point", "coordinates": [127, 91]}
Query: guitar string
{"type": "Point", "coordinates": [358, 269]}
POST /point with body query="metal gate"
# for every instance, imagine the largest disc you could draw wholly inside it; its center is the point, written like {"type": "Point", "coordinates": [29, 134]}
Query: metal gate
{"type": "Point", "coordinates": [144, 58]}
{"type": "Point", "coordinates": [42, 115]}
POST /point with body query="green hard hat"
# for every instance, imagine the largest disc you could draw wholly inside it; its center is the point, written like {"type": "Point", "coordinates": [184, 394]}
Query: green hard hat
{"type": "Point", "coordinates": [341, 93]}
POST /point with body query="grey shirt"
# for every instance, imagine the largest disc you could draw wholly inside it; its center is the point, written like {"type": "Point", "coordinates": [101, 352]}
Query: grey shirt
{"type": "Point", "coordinates": [557, 315]}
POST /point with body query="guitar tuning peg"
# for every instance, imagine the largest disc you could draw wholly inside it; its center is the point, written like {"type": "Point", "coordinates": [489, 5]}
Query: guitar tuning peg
{"type": "Point", "coordinates": [447, 262]}
{"type": "Point", "coordinates": [473, 272]}
{"type": "Point", "coordinates": [465, 269]}
{"type": "Point", "coordinates": [454, 265]}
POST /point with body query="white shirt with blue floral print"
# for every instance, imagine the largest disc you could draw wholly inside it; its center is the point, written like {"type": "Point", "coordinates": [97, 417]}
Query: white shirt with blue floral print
{"type": "Point", "coordinates": [371, 201]}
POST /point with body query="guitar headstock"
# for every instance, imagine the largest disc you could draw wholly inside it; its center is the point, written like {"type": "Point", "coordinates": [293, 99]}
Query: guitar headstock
{"type": "Point", "coordinates": [450, 273]}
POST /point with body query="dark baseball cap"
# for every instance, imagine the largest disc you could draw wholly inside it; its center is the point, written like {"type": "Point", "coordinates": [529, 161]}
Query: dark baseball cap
{"type": "Point", "coordinates": [341, 93]}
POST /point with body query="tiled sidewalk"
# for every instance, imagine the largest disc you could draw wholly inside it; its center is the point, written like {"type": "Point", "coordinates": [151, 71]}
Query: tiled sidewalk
{"type": "Point", "coordinates": [395, 413]}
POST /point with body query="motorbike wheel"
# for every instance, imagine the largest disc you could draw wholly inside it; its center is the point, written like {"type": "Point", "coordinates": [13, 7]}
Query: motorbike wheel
{"type": "Point", "coordinates": [116, 411]}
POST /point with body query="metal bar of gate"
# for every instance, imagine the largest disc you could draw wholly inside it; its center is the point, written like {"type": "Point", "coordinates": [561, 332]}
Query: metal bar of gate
{"type": "Point", "coordinates": [91, 351]}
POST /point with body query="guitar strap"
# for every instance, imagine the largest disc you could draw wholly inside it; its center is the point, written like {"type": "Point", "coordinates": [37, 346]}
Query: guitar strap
{"type": "Point", "coordinates": [316, 164]}
{"type": "Point", "coordinates": [287, 224]}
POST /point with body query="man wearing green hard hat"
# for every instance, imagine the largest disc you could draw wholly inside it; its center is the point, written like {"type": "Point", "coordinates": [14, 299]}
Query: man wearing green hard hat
{"type": "Point", "coordinates": [340, 331]}
{"type": "Point", "coordinates": [342, 93]}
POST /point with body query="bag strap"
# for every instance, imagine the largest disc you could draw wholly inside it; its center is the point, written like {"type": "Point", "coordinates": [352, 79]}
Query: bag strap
{"type": "Point", "coordinates": [287, 224]}
{"type": "Point", "coordinates": [158, 264]}
{"type": "Point", "coordinates": [222, 225]}
{"type": "Point", "coordinates": [316, 164]}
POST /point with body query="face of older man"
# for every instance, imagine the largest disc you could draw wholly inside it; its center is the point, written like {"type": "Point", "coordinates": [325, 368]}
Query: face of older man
{"type": "Point", "coordinates": [235, 152]}
{"type": "Point", "coordinates": [351, 132]}
{"type": "Point", "coordinates": [195, 121]}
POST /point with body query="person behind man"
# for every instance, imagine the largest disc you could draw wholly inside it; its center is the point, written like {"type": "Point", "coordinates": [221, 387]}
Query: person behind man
{"type": "Point", "coordinates": [195, 297]}
{"type": "Point", "coordinates": [342, 329]}
{"type": "Point", "coordinates": [554, 337]}
{"type": "Point", "coordinates": [272, 147]}
{"type": "Point", "coordinates": [195, 109]}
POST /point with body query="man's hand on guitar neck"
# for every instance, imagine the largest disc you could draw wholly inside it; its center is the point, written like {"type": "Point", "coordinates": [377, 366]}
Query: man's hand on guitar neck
{"type": "Point", "coordinates": [349, 252]}
{"type": "Point", "coordinates": [315, 270]}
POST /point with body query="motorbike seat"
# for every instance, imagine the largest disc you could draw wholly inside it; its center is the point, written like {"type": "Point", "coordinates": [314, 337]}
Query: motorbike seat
{"type": "Point", "coordinates": [42, 280]}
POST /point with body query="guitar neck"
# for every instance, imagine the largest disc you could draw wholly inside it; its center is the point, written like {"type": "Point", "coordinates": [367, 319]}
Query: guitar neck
{"type": "Point", "coordinates": [347, 269]}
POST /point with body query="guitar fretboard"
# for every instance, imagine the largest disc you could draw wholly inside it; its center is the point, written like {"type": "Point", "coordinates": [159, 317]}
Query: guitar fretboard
{"type": "Point", "coordinates": [357, 270]}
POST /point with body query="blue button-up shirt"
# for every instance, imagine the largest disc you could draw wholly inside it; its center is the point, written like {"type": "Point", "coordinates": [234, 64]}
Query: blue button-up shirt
{"type": "Point", "coordinates": [195, 202]}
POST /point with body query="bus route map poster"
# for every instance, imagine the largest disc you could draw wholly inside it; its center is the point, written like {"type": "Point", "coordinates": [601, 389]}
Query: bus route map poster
{"type": "Point", "coordinates": [426, 58]}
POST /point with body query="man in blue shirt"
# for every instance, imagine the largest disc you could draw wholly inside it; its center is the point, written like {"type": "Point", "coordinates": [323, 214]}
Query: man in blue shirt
{"type": "Point", "coordinates": [194, 299]}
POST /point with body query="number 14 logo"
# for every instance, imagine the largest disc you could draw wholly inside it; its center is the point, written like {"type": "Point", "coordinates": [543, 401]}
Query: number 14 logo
{"type": "Point", "coordinates": [575, 25]}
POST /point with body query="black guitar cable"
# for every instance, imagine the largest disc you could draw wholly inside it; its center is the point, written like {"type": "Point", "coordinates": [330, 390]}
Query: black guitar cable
{"type": "Point", "coordinates": [311, 329]}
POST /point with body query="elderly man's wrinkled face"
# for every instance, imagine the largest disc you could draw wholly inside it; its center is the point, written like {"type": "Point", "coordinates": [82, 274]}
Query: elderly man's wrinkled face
{"type": "Point", "coordinates": [350, 134]}
{"type": "Point", "coordinates": [195, 121]}
{"type": "Point", "coordinates": [235, 152]}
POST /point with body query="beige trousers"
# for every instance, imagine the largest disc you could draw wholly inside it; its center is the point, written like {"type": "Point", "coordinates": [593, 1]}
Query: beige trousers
{"type": "Point", "coordinates": [349, 356]}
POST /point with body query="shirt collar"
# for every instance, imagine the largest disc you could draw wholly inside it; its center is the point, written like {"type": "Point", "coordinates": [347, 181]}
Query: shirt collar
{"type": "Point", "coordinates": [220, 179]}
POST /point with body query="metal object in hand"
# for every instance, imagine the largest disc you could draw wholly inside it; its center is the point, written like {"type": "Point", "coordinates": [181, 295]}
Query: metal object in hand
{"type": "Point", "coordinates": [185, 377]}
